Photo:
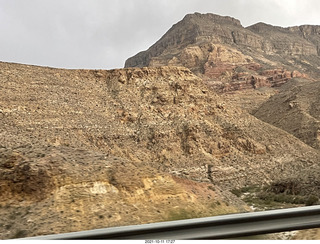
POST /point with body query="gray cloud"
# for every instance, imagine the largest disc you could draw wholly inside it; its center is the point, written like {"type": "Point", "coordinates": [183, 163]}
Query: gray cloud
{"type": "Point", "coordinates": [104, 33]}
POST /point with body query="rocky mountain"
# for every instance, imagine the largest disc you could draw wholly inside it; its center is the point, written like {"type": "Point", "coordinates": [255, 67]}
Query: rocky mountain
{"type": "Point", "coordinates": [220, 50]}
{"type": "Point", "coordinates": [85, 149]}
{"type": "Point", "coordinates": [128, 146]}
{"type": "Point", "coordinates": [272, 72]}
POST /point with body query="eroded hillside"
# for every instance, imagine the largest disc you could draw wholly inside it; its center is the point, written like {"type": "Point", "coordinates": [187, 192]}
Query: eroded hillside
{"type": "Point", "coordinates": [255, 68]}
{"type": "Point", "coordinates": [127, 146]}
{"type": "Point", "coordinates": [298, 111]}
{"type": "Point", "coordinates": [46, 190]}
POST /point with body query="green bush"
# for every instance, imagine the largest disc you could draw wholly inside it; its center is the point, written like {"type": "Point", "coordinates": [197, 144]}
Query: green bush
{"type": "Point", "coordinates": [236, 192]}
{"type": "Point", "coordinates": [276, 194]}
{"type": "Point", "coordinates": [312, 200]}
{"type": "Point", "coordinates": [290, 186]}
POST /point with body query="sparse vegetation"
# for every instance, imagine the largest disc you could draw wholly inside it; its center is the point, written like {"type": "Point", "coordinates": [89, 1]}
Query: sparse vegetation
{"type": "Point", "coordinates": [312, 200]}
{"type": "Point", "coordinates": [213, 209]}
{"type": "Point", "coordinates": [247, 189]}
{"type": "Point", "coordinates": [20, 234]}
{"type": "Point", "coordinates": [215, 204]}
{"type": "Point", "coordinates": [97, 148]}
{"type": "Point", "coordinates": [181, 213]}
{"type": "Point", "coordinates": [265, 198]}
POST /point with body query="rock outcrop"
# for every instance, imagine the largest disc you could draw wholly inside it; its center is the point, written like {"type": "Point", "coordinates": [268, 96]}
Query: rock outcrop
{"type": "Point", "coordinates": [286, 41]}
{"type": "Point", "coordinates": [247, 80]}
{"type": "Point", "coordinates": [215, 47]}
{"type": "Point", "coordinates": [193, 29]}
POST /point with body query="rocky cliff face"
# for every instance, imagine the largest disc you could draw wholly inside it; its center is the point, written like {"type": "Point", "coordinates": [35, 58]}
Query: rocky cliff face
{"type": "Point", "coordinates": [194, 28]}
{"type": "Point", "coordinates": [106, 144]}
{"type": "Point", "coordinates": [287, 41]}
{"type": "Point", "coordinates": [216, 47]}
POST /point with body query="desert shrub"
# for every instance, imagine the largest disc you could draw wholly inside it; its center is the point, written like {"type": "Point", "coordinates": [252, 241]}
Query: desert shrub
{"type": "Point", "coordinates": [237, 192]}
{"type": "Point", "coordinates": [284, 192]}
{"type": "Point", "coordinates": [215, 204]}
{"type": "Point", "coordinates": [288, 187]}
{"type": "Point", "coordinates": [211, 188]}
{"type": "Point", "coordinates": [20, 234]}
{"type": "Point", "coordinates": [311, 200]}
{"type": "Point", "coordinates": [8, 226]}
{"type": "Point", "coordinates": [287, 198]}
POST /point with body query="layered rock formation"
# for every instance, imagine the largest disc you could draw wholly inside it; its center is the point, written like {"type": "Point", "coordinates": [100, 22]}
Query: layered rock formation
{"type": "Point", "coordinates": [193, 29]}
{"type": "Point", "coordinates": [298, 40]}
{"type": "Point", "coordinates": [216, 47]}
{"type": "Point", "coordinates": [244, 80]}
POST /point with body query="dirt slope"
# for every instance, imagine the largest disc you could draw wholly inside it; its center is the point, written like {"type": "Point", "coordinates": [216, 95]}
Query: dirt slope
{"type": "Point", "coordinates": [297, 111]}
{"type": "Point", "coordinates": [131, 145]}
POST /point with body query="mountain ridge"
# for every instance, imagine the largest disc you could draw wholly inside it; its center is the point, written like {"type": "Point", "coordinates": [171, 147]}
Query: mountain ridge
{"type": "Point", "coordinates": [194, 41]}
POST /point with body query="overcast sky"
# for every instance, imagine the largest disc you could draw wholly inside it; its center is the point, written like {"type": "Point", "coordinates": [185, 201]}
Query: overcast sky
{"type": "Point", "coordinates": [102, 34]}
